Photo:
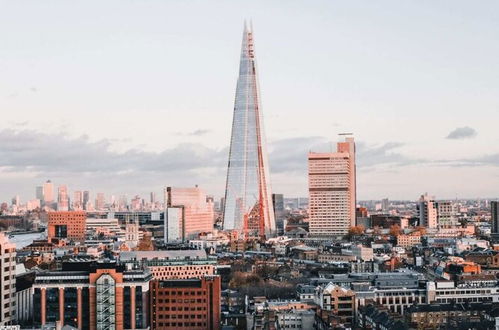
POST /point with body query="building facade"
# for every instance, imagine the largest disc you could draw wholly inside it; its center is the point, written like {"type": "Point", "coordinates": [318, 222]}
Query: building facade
{"type": "Point", "coordinates": [192, 304]}
{"type": "Point", "coordinates": [332, 190]}
{"type": "Point", "coordinates": [166, 265]}
{"type": "Point", "coordinates": [447, 215]}
{"type": "Point", "coordinates": [188, 213]}
{"type": "Point", "coordinates": [337, 300]}
{"type": "Point", "coordinates": [248, 195]}
{"type": "Point", "coordinates": [428, 212]}
{"type": "Point", "coordinates": [62, 198]}
{"type": "Point", "coordinates": [280, 215]}
{"type": "Point", "coordinates": [7, 281]}
{"type": "Point", "coordinates": [48, 193]}
{"type": "Point", "coordinates": [67, 224]}
{"type": "Point", "coordinates": [95, 296]}
{"type": "Point", "coordinates": [100, 202]}
{"type": "Point", "coordinates": [494, 206]}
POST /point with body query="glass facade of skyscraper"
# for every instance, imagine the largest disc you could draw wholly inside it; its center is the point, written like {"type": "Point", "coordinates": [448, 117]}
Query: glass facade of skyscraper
{"type": "Point", "coordinates": [248, 201]}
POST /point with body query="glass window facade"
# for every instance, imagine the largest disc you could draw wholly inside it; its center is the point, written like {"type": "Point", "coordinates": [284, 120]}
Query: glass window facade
{"type": "Point", "coordinates": [248, 196]}
{"type": "Point", "coordinates": [71, 307]}
{"type": "Point", "coordinates": [106, 303]}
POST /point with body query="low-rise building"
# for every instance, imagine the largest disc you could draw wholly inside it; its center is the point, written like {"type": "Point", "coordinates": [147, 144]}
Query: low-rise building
{"type": "Point", "coordinates": [92, 295]}
{"type": "Point", "coordinates": [408, 241]}
{"type": "Point", "coordinates": [186, 304]}
{"type": "Point", "coordinates": [305, 292]}
{"type": "Point", "coordinates": [446, 292]}
{"type": "Point", "coordinates": [173, 264]}
{"type": "Point", "coordinates": [337, 300]}
{"type": "Point", "coordinates": [430, 316]}
{"type": "Point", "coordinates": [295, 319]}
{"type": "Point", "coordinates": [372, 316]}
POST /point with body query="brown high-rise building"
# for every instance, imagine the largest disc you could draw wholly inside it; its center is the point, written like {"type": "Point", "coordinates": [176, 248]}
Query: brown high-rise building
{"type": "Point", "coordinates": [332, 190]}
{"type": "Point", "coordinates": [192, 304]}
{"type": "Point", "coordinates": [67, 224]}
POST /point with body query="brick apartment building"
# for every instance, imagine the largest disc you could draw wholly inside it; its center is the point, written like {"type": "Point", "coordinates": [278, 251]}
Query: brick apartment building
{"type": "Point", "coordinates": [67, 224]}
{"type": "Point", "coordinates": [185, 303]}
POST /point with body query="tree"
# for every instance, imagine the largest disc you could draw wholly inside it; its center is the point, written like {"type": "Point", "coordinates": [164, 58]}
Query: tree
{"type": "Point", "coordinates": [395, 230]}
{"type": "Point", "coordinates": [421, 229]}
{"type": "Point", "coordinates": [146, 243]}
{"type": "Point", "coordinates": [240, 280]}
{"type": "Point", "coordinates": [356, 230]}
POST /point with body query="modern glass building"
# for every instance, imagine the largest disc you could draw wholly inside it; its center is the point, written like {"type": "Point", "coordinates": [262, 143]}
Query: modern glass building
{"type": "Point", "coordinates": [248, 196]}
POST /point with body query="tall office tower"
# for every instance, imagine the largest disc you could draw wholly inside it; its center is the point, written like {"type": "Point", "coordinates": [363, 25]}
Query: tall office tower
{"type": "Point", "coordinates": [248, 196]}
{"type": "Point", "coordinates": [153, 197]}
{"type": "Point", "coordinates": [78, 200]}
{"type": "Point", "coordinates": [39, 193]}
{"type": "Point", "coordinates": [100, 202]}
{"type": "Point", "coordinates": [278, 204]}
{"type": "Point", "coordinates": [62, 198]}
{"type": "Point", "coordinates": [48, 192]}
{"type": "Point", "coordinates": [428, 212]}
{"type": "Point", "coordinates": [16, 200]}
{"type": "Point", "coordinates": [187, 214]}
{"type": "Point", "coordinates": [123, 203]}
{"type": "Point", "coordinates": [385, 205]}
{"type": "Point", "coordinates": [7, 280]}
{"type": "Point", "coordinates": [136, 203]}
{"type": "Point", "coordinates": [165, 196]}
{"type": "Point", "coordinates": [332, 190]}
{"type": "Point", "coordinates": [494, 206]}
{"type": "Point", "coordinates": [86, 199]}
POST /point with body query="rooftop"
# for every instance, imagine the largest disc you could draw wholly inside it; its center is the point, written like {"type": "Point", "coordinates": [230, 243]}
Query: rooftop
{"type": "Point", "coordinates": [168, 255]}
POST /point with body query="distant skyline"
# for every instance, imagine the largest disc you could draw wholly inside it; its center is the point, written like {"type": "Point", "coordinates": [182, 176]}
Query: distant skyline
{"type": "Point", "coordinates": [127, 97]}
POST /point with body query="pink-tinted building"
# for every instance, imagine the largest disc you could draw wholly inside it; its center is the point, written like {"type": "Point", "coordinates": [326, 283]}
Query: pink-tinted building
{"type": "Point", "coordinates": [187, 214]}
{"type": "Point", "coordinates": [332, 190]}
{"type": "Point", "coordinates": [62, 198]}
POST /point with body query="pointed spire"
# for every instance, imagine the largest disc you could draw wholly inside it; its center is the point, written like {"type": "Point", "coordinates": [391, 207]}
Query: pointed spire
{"type": "Point", "coordinates": [248, 195]}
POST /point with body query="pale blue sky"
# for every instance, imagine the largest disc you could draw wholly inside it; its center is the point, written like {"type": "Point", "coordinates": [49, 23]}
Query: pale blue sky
{"type": "Point", "coordinates": [153, 75]}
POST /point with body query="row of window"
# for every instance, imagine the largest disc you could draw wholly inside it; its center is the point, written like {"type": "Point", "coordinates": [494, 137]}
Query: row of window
{"type": "Point", "coordinates": [182, 324]}
{"type": "Point", "coordinates": [180, 293]}
{"type": "Point", "coordinates": [167, 308]}
{"type": "Point", "coordinates": [179, 301]}
{"type": "Point", "coordinates": [186, 316]}
{"type": "Point", "coordinates": [482, 292]}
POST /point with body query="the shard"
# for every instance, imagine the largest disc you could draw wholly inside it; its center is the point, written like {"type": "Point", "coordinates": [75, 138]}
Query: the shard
{"type": "Point", "coordinates": [248, 196]}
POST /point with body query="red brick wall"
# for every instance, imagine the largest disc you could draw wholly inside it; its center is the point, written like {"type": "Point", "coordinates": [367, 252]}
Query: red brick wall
{"type": "Point", "coordinates": [186, 307]}
{"type": "Point", "coordinates": [74, 220]}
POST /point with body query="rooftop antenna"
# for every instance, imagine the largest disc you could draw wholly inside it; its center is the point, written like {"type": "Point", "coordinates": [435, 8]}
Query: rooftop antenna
{"type": "Point", "coordinates": [346, 134]}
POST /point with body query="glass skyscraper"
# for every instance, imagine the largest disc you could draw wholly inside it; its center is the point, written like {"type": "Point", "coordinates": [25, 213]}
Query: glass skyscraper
{"type": "Point", "coordinates": [248, 196]}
